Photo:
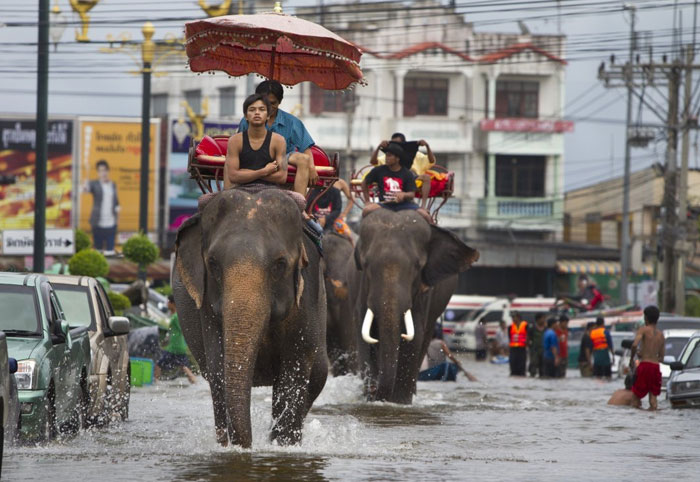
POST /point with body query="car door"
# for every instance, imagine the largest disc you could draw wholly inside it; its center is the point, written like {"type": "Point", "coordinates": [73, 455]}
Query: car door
{"type": "Point", "coordinates": [64, 375]}
{"type": "Point", "coordinates": [115, 347]}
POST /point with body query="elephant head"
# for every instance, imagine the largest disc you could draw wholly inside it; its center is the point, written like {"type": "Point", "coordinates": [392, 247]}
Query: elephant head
{"type": "Point", "coordinates": [241, 261]}
{"type": "Point", "coordinates": [401, 260]}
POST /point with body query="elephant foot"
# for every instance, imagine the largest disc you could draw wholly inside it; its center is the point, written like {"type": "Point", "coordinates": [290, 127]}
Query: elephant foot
{"type": "Point", "coordinates": [287, 437]}
{"type": "Point", "coordinates": [222, 437]}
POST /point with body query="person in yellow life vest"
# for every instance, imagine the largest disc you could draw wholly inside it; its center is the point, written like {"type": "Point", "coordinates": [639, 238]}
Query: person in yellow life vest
{"type": "Point", "coordinates": [602, 345]}
{"type": "Point", "coordinates": [420, 164]}
{"type": "Point", "coordinates": [518, 342]}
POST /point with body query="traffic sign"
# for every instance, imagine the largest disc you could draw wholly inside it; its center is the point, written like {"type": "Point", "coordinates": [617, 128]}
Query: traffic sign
{"type": "Point", "coordinates": [21, 241]}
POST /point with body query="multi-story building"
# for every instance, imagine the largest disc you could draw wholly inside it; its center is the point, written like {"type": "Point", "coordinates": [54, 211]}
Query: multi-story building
{"type": "Point", "coordinates": [490, 105]}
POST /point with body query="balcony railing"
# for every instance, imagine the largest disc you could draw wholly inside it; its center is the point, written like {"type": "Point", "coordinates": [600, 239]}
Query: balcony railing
{"type": "Point", "coordinates": [546, 210]}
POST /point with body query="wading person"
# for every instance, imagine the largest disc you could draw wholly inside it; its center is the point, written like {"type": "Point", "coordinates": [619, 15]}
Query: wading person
{"type": "Point", "coordinates": [395, 185]}
{"type": "Point", "coordinates": [480, 335]}
{"type": "Point", "coordinates": [297, 138]}
{"type": "Point", "coordinates": [602, 350]}
{"type": "Point", "coordinates": [651, 353]}
{"type": "Point", "coordinates": [105, 209]}
{"type": "Point", "coordinates": [438, 368]}
{"type": "Point", "coordinates": [175, 353]}
{"type": "Point", "coordinates": [550, 350]}
{"type": "Point", "coordinates": [535, 340]}
{"type": "Point", "coordinates": [585, 354]}
{"type": "Point", "coordinates": [563, 335]}
{"type": "Point", "coordinates": [419, 166]}
{"type": "Point", "coordinates": [518, 342]}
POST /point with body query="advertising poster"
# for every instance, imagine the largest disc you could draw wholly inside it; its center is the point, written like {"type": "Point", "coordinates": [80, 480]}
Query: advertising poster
{"type": "Point", "coordinates": [110, 172]}
{"type": "Point", "coordinates": [18, 161]}
{"type": "Point", "coordinates": [183, 192]}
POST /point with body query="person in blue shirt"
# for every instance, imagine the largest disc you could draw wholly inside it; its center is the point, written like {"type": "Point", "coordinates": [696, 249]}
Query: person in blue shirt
{"type": "Point", "coordinates": [550, 355]}
{"type": "Point", "coordinates": [299, 142]}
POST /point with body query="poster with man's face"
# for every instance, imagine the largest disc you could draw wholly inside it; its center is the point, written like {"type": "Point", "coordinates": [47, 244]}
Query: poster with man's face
{"type": "Point", "coordinates": [18, 162]}
{"type": "Point", "coordinates": [110, 154]}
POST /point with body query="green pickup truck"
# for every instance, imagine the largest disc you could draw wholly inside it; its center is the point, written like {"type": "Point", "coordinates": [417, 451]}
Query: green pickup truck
{"type": "Point", "coordinates": [53, 359]}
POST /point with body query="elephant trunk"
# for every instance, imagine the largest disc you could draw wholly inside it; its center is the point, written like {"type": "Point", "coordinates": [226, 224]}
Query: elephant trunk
{"type": "Point", "coordinates": [389, 343]}
{"type": "Point", "coordinates": [245, 313]}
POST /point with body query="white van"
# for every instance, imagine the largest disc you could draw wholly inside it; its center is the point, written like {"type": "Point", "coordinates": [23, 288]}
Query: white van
{"type": "Point", "coordinates": [458, 325]}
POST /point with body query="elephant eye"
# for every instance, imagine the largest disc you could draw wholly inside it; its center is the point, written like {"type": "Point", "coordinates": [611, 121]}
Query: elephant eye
{"type": "Point", "coordinates": [279, 267]}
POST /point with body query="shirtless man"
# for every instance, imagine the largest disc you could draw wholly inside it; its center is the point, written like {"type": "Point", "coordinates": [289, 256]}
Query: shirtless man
{"type": "Point", "coordinates": [651, 353]}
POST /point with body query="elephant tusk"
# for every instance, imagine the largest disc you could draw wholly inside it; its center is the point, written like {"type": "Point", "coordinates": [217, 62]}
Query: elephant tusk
{"type": "Point", "coordinates": [366, 326]}
{"type": "Point", "coordinates": [408, 321]}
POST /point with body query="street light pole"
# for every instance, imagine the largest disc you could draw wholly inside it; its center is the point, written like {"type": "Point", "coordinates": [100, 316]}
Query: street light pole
{"type": "Point", "coordinates": [42, 125]}
{"type": "Point", "coordinates": [147, 52]}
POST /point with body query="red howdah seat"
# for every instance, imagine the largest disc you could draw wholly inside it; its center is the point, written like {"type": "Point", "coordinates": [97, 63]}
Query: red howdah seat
{"type": "Point", "coordinates": [207, 157]}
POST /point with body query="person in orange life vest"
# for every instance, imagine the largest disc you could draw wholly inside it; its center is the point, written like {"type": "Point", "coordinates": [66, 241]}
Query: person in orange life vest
{"type": "Point", "coordinates": [563, 336]}
{"type": "Point", "coordinates": [591, 297]}
{"type": "Point", "coordinates": [395, 183]}
{"type": "Point", "coordinates": [518, 342]}
{"type": "Point", "coordinates": [602, 344]}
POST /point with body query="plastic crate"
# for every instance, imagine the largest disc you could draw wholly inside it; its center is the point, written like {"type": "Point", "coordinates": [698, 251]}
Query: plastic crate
{"type": "Point", "coordinates": [141, 371]}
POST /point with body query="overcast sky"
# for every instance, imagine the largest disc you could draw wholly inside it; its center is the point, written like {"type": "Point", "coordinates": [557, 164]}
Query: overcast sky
{"type": "Point", "coordinates": [85, 81]}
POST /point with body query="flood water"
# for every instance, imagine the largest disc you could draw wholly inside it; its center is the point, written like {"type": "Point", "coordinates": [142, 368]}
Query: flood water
{"type": "Point", "coordinates": [496, 428]}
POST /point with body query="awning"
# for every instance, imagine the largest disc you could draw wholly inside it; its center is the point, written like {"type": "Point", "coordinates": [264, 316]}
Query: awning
{"type": "Point", "coordinates": [595, 266]}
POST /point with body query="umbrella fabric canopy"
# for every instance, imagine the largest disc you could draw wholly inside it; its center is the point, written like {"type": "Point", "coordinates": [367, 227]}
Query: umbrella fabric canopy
{"type": "Point", "coordinates": [280, 47]}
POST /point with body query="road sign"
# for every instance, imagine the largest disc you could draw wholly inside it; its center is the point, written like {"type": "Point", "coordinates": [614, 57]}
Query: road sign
{"type": "Point", "coordinates": [21, 241]}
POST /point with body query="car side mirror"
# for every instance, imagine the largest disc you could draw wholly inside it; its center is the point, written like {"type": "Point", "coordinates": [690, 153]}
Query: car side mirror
{"type": "Point", "coordinates": [668, 359]}
{"type": "Point", "coordinates": [12, 365]}
{"type": "Point", "coordinates": [65, 331]}
{"type": "Point", "coordinates": [119, 325]}
{"type": "Point", "coordinates": [619, 352]}
{"type": "Point", "coordinates": [676, 365]}
{"type": "Point", "coordinates": [627, 344]}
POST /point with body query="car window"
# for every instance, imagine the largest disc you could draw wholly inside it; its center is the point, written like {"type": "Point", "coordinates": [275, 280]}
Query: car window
{"type": "Point", "coordinates": [101, 307]}
{"type": "Point", "coordinates": [694, 359]}
{"type": "Point", "coordinates": [689, 349]}
{"type": "Point", "coordinates": [675, 345]}
{"type": "Point", "coordinates": [19, 309]}
{"type": "Point", "coordinates": [493, 316]}
{"type": "Point", "coordinates": [76, 304]}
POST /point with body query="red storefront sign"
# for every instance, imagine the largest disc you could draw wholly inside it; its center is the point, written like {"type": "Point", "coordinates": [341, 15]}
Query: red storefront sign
{"type": "Point", "coordinates": [526, 125]}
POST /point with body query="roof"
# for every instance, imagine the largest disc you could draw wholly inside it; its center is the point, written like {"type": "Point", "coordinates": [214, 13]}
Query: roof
{"type": "Point", "coordinates": [27, 279]}
{"type": "Point", "coordinates": [597, 266]}
{"type": "Point", "coordinates": [511, 50]}
{"type": "Point", "coordinates": [64, 279]}
{"type": "Point", "coordinates": [422, 47]}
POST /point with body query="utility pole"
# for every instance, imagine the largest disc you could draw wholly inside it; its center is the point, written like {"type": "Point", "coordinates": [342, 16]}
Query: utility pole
{"type": "Point", "coordinates": [670, 221]}
{"type": "Point", "coordinates": [625, 243]}
{"type": "Point", "coordinates": [42, 127]}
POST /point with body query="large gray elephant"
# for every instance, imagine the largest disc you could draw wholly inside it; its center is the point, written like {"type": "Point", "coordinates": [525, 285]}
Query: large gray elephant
{"type": "Point", "coordinates": [341, 340]}
{"type": "Point", "coordinates": [405, 271]}
{"type": "Point", "coordinates": [249, 293]}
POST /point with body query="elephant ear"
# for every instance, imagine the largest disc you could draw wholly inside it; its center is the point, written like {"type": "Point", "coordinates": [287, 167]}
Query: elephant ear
{"type": "Point", "coordinates": [298, 275]}
{"type": "Point", "coordinates": [188, 258]}
{"type": "Point", "coordinates": [447, 256]}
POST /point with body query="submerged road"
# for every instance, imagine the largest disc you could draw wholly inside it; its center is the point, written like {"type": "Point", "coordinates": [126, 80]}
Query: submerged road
{"type": "Point", "coordinates": [497, 428]}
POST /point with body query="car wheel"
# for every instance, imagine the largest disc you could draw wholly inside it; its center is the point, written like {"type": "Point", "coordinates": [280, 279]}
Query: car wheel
{"type": "Point", "coordinates": [49, 429]}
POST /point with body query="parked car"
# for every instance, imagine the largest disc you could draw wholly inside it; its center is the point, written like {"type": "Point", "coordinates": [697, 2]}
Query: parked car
{"type": "Point", "coordinates": [458, 331]}
{"type": "Point", "coordinates": [53, 359]}
{"type": "Point", "coordinates": [86, 304]}
{"type": "Point", "coordinates": [9, 401]}
{"type": "Point", "coordinates": [684, 382]}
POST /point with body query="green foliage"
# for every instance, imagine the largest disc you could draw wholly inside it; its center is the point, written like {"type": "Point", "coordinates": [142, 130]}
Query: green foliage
{"type": "Point", "coordinates": [165, 290]}
{"type": "Point", "coordinates": [88, 262]}
{"type": "Point", "coordinates": [140, 250]}
{"type": "Point", "coordinates": [119, 302]}
{"type": "Point", "coordinates": [82, 240]}
{"type": "Point", "coordinates": [692, 306]}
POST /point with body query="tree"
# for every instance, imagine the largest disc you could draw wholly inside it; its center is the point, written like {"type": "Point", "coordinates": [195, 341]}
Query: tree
{"type": "Point", "coordinates": [82, 240]}
{"type": "Point", "coordinates": [119, 302]}
{"type": "Point", "coordinates": [141, 251]}
{"type": "Point", "coordinates": [88, 262]}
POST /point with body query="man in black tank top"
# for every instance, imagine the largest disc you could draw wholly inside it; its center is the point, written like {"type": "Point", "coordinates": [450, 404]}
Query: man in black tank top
{"type": "Point", "coordinates": [256, 155]}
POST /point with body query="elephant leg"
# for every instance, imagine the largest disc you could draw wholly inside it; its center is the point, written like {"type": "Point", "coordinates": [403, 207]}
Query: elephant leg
{"type": "Point", "coordinates": [290, 394]}
{"type": "Point", "coordinates": [220, 417]}
{"type": "Point", "coordinates": [317, 380]}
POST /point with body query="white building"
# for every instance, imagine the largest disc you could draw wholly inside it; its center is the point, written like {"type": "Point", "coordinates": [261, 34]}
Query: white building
{"type": "Point", "coordinates": [490, 105]}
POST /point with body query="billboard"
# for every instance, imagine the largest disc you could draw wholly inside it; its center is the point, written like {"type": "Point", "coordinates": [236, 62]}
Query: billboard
{"type": "Point", "coordinates": [18, 159]}
{"type": "Point", "coordinates": [109, 177]}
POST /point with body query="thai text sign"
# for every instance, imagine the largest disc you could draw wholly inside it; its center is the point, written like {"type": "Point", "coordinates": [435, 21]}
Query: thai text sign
{"type": "Point", "coordinates": [526, 125]}
{"type": "Point", "coordinates": [21, 241]}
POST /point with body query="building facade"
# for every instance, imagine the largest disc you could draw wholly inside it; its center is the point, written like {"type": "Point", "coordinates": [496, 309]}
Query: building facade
{"type": "Point", "coordinates": [490, 105]}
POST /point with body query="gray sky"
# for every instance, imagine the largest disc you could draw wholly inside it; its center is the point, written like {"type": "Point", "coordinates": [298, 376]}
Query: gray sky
{"type": "Point", "coordinates": [85, 81]}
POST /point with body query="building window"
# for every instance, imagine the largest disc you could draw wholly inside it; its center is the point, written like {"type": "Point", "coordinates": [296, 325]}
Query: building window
{"type": "Point", "coordinates": [227, 101]}
{"type": "Point", "coordinates": [515, 98]}
{"type": "Point", "coordinates": [520, 176]}
{"type": "Point", "coordinates": [159, 105]}
{"type": "Point", "coordinates": [194, 100]}
{"type": "Point", "coordinates": [331, 101]}
{"type": "Point", "coordinates": [423, 96]}
{"type": "Point", "coordinates": [593, 228]}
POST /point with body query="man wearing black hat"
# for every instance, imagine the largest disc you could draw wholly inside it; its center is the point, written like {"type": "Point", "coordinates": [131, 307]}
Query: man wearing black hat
{"type": "Point", "coordinates": [395, 184]}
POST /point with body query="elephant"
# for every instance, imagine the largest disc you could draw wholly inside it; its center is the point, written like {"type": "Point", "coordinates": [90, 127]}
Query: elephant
{"type": "Point", "coordinates": [402, 275]}
{"type": "Point", "coordinates": [249, 294]}
{"type": "Point", "coordinates": [341, 342]}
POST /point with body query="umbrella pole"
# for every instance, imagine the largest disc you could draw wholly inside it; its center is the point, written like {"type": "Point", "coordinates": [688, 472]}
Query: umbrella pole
{"type": "Point", "coordinates": [272, 62]}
